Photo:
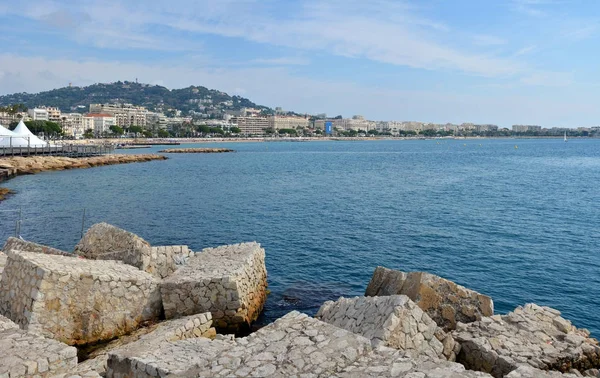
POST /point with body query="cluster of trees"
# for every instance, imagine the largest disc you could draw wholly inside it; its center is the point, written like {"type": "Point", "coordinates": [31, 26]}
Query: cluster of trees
{"type": "Point", "coordinates": [13, 109]}
{"type": "Point", "coordinates": [49, 129]}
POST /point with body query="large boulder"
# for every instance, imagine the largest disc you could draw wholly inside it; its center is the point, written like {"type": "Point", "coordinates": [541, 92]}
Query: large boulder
{"type": "Point", "coordinates": [386, 362]}
{"type": "Point", "coordinates": [167, 259]}
{"type": "Point", "coordinates": [294, 345]}
{"type": "Point", "coordinates": [16, 244]}
{"type": "Point", "coordinates": [394, 321]}
{"type": "Point", "coordinates": [151, 337]}
{"type": "Point", "coordinates": [3, 258]}
{"type": "Point", "coordinates": [444, 301]}
{"type": "Point", "coordinates": [107, 242]}
{"type": "Point", "coordinates": [529, 336]}
{"type": "Point", "coordinates": [23, 354]}
{"type": "Point", "coordinates": [76, 301]}
{"type": "Point", "coordinates": [531, 372]}
{"type": "Point", "coordinates": [229, 281]}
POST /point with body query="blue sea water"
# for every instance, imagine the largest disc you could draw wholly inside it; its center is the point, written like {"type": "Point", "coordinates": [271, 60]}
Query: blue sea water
{"type": "Point", "coordinates": [515, 219]}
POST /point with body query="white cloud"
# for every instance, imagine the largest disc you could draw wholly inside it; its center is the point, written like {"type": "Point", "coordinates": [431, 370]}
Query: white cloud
{"type": "Point", "coordinates": [548, 79]}
{"type": "Point", "coordinates": [283, 61]}
{"type": "Point", "coordinates": [275, 86]}
{"type": "Point", "coordinates": [488, 40]}
{"type": "Point", "coordinates": [383, 30]}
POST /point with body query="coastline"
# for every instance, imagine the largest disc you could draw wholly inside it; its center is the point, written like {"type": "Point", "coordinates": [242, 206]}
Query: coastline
{"type": "Point", "coordinates": [129, 142]}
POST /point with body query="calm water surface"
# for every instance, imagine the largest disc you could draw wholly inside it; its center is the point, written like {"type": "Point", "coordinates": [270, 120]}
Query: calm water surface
{"type": "Point", "coordinates": [519, 224]}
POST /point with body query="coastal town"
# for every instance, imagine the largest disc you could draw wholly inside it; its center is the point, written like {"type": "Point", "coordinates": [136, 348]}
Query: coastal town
{"type": "Point", "coordinates": [217, 114]}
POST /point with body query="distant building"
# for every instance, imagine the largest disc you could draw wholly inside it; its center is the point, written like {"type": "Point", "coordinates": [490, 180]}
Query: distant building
{"type": "Point", "coordinates": [283, 122]}
{"type": "Point", "coordinates": [72, 125]}
{"type": "Point", "coordinates": [100, 123]}
{"type": "Point", "coordinates": [251, 125]}
{"type": "Point", "coordinates": [526, 128]}
{"type": "Point", "coordinates": [54, 114]}
{"type": "Point", "coordinates": [126, 115]}
{"type": "Point", "coordinates": [38, 114]}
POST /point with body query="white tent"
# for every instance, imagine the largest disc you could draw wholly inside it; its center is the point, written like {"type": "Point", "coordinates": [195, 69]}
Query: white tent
{"type": "Point", "coordinates": [24, 137]}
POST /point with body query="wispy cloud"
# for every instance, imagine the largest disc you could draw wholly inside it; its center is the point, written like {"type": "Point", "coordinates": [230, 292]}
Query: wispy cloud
{"type": "Point", "coordinates": [488, 40]}
{"type": "Point", "coordinates": [283, 61]}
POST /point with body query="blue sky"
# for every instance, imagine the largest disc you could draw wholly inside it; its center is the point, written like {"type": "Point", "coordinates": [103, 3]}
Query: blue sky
{"type": "Point", "coordinates": [493, 61]}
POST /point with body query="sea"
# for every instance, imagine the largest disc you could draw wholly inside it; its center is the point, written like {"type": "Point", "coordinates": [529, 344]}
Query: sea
{"type": "Point", "coordinates": [515, 219]}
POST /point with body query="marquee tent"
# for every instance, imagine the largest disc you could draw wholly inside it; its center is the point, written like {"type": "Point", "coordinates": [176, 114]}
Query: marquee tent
{"type": "Point", "coordinates": [23, 137]}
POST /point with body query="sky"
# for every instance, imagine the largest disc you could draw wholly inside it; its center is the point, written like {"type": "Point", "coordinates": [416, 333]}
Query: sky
{"type": "Point", "coordinates": [495, 61]}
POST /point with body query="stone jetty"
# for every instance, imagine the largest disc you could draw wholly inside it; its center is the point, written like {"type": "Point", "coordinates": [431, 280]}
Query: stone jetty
{"type": "Point", "coordinates": [4, 192]}
{"type": "Point", "coordinates": [444, 301]}
{"type": "Point", "coordinates": [393, 321]}
{"type": "Point", "coordinates": [207, 150]}
{"type": "Point", "coordinates": [76, 301]}
{"type": "Point", "coordinates": [24, 165]}
{"type": "Point", "coordinates": [229, 281]}
{"type": "Point", "coordinates": [117, 289]}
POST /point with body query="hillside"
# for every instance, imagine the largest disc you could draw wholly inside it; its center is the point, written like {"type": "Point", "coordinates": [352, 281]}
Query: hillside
{"type": "Point", "coordinates": [153, 97]}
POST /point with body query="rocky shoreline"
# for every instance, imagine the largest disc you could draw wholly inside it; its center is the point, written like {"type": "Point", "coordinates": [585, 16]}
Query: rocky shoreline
{"type": "Point", "coordinates": [160, 311]}
{"type": "Point", "coordinates": [196, 150]}
{"type": "Point", "coordinates": [28, 165]}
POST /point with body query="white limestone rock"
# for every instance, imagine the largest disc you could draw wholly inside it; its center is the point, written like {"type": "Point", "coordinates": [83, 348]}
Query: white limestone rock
{"type": "Point", "coordinates": [294, 345]}
{"type": "Point", "coordinates": [107, 242]}
{"type": "Point", "coordinates": [23, 354]}
{"type": "Point", "coordinates": [3, 258]}
{"type": "Point", "coordinates": [444, 301]}
{"type": "Point", "coordinates": [74, 300]}
{"type": "Point", "coordinates": [529, 336]}
{"type": "Point", "coordinates": [531, 372]}
{"type": "Point", "coordinates": [229, 281]}
{"type": "Point", "coordinates": [394, 321]}
{"type": "Point", "coordinates": [167, 259]}
{"type": "Point", "coordinates": [16, 244]}
{"type": "Point", "coordinates": [387, 362]}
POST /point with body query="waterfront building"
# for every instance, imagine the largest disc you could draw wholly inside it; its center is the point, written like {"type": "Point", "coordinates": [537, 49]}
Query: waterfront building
{"type": "Point", "coordinates": [526, 128]}
{"type": "Point", "coordinates": [72, 125]}
{"type": "Point", "coordinates": [251, 125]}
{"type": "Point", "coordinates": [54, 114]}
{"type": "Point", "coordinates": [99, 123]}
{"type": "Point", "coordinates": [38, 114]}
{"type": "Point", "coordinates": [126, 115]}
{"type": "Point", "coordinates": [287, 122]}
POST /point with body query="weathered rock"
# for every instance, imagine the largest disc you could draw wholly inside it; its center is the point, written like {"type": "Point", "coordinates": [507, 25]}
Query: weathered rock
{"type": "Point", "coordinates": [295, 345]}
{"type": "Point", "coordinates": [76, 301]}
{"type": "Point", "coordinates": [6, 323]}
{"type": "Point", "coordinates": [444, 301]}
{"type": "Point", "coordinates": [529, 336]}
{"type": "Point", "coordinates": [107, 242]}
{"type": "Point", "coordinates": [394, 321]}
{"type": "Point", "coordinates": [3, 258]}
{"type": "Point", "coordinates": [229, 281]}
{"type": "Point", "coordinates": [531, 372]}
{"type": "Point", "coordinates": [167, 259]}
{"type": "Point", "coordinates": [23, 354]}
{"type": "Point", "coordinates": [388, 362]}
{"type": "Point", "coordinates": [194, 326]}
{"type": "Point", "coordinates": [16, 244]}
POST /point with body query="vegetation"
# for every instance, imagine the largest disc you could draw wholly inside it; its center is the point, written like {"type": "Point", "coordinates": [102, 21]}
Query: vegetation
{"type": "Point", "coordinates": [287, 131]}
{"type": "Point", "coordinates": [117, 130]}
{"type": "Point", "coordinates": [235, 130]}
{"type": "Point", "coordinates": [13, 109]}
{"type": "Point", "coordinates": [153, 97]}
{"type": "Point", "coordinates": [49, 129]}
{"type": "Point", "coordinates": [89, 134]}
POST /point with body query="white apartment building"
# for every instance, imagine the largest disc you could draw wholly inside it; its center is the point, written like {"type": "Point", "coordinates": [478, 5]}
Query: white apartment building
{"type": "Point", "coordinates": [126, 115]}
{"type": "Point", "coordinates": [38, 114]}
{"type": "Point", "coordinates": [54, 114]}
{"type": "Point", "coordinates": [282, 122]}
{"type": "Point", "coordinates": [251, 125]}
{"type": "Point", "coordinates": [72, 124]}
{"type": "Point", "coordinates": [100, 123]}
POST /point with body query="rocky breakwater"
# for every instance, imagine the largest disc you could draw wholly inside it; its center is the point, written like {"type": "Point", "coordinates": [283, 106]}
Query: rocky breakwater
{"type": "Point", "coordinates": [393, 321]}
{"type": "Point", "coordinates": [229, 281]}
{"type": "Point", "coordinates": [195, 150]}
{"type": "Point", "coordinates": [530, 336]}
{"type": "Point", "coordinates": [444, 301]}
{"type": "Point", "coordinates": [25, 165]}
{"type": "Point", "coordinates": [76, 301]}
{"type": "Point", "coordinates": [106, 242]}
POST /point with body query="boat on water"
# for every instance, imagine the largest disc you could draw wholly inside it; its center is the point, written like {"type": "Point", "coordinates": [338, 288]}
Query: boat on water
{"type": "Point", "coordinates": [565, 136]}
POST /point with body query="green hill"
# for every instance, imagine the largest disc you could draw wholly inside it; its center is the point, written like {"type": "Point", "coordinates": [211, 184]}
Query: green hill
{"type": "Point", "coordinates": [153, 97]}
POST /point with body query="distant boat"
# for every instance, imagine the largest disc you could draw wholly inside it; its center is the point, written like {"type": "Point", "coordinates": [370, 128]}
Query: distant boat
{"type": "Point", "coordinates": [565, 136]}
